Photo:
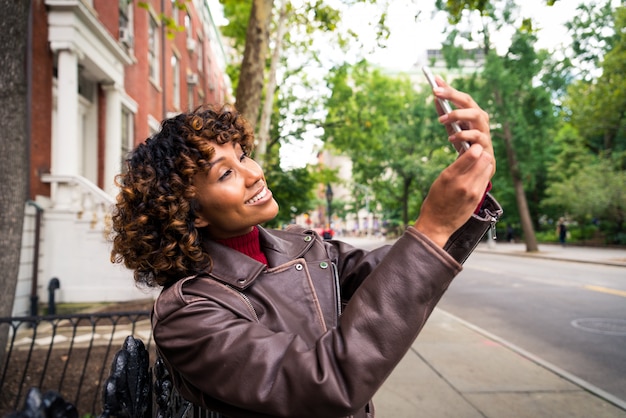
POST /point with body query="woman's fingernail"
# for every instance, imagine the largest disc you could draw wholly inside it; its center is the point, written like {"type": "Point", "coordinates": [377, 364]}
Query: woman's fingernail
{"type": "Point", "coordinates": [438, 89]}
{"type": "Point", "coordinates": [443, 118]}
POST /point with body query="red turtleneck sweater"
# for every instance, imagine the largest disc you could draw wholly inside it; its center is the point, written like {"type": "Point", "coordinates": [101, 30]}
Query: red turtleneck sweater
{"type": "Point", "coordinates": [247, 244]}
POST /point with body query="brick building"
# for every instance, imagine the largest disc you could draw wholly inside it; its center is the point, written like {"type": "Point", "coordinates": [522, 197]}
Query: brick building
{"type": "Point", "coordinates": [102, 75]}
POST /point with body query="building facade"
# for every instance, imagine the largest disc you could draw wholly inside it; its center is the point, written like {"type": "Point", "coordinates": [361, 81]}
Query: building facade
{"type": "Point", "coordinates": [102, 75]}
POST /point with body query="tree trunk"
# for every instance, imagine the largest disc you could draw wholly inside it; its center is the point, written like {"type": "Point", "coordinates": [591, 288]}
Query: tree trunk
{"type": "Point", "coordinates": [268, 105]}
{"type": "Point", "coordinates": [406, 189]}
{"type": "Point", "coordinates": [520, 195]}
{"type": "Point", "coordinates": [14, 145]}
{"type": "Point", "coordinates": [251, 77]}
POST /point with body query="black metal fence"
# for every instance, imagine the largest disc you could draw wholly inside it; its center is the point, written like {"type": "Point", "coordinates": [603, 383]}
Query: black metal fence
{"type": "Point", "coordinates": [68, 354]}
{"type": "Point", "coordinates": [81, 365]}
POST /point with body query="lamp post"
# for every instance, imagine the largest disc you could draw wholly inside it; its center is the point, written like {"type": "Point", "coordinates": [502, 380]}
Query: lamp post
{"type": "Point", "coordinates": [329, 199]}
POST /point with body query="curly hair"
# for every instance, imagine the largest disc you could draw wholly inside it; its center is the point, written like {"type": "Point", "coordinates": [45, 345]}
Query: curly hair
{"type": "Point", "coordinates": [153, 222]}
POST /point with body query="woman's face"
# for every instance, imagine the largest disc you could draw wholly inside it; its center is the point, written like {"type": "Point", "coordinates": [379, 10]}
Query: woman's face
{"type": "Point", "coordinates": [233, 196]}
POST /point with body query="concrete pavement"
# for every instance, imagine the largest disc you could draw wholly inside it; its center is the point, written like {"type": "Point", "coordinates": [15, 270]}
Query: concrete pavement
{"type": "Point", "coordinates": [455, 369]}
{"type": "Point", "coordinates": [596, 255]}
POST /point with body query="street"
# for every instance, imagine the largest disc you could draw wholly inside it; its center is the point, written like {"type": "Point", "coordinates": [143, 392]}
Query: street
{"type": "Point", "coordinates": [569, 314]}
{"type": "Point", "coordinates": [572, 315]}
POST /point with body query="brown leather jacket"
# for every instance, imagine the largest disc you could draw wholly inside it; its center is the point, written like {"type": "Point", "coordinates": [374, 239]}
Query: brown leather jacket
{"type": "Point", "coordinates": [313, 335]}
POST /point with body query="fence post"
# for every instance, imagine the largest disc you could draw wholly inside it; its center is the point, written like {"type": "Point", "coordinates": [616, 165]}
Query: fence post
{"type": "Point", "coordinates": [53, 285]}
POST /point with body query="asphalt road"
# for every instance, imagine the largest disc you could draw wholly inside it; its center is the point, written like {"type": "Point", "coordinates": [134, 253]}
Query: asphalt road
{"type": "Point", "coordinates": [572, 315]}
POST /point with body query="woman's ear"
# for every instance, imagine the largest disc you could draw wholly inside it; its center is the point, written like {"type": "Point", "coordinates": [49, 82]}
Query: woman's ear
{"type": "Point", "coordinates": [200, 222]}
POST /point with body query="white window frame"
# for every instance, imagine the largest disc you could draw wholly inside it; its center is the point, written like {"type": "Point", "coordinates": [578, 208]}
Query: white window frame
{"type": "Point", "coordinates": [127, 128]}
{"type": "Point", "coordinates": [200, 53]}
{"type": "Point", "coordinates": [175, 61]}
{"type": "Point", "coordinates": [153, 49]}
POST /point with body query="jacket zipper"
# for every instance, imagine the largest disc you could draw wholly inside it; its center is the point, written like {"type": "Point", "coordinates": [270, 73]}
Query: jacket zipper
{"type": "Point", "coordinates": [492, 229]}
{"type": "Point", "coordinates": [249, 304]}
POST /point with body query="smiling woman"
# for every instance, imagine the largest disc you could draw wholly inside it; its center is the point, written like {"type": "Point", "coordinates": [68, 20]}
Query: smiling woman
{"type": "Point", "coordinates": [273, 323]}
{"type": "Point", "coordinates": [245, 200]}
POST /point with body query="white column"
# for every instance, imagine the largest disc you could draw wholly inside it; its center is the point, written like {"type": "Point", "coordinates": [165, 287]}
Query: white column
{"type": "Point", "coordinates": [113, 137]}
{"type": "Point", "coordinates": [65, 149]}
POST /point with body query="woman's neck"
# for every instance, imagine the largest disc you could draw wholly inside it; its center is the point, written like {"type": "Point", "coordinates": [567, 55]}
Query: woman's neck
{"type": "Point", "coordinates": [247, 244]}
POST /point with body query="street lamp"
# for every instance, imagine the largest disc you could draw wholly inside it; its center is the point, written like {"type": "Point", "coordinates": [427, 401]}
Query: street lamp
{"type": "Point", "coordinates": [329, 199]}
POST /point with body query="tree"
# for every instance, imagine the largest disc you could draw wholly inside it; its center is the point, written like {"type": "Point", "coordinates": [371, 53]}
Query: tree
{"type": "Point", "coordinates": [455, 8]}
{"type": "Point", "coordinates": [14, 143]}
{"type": "Point", "coordinates": [596, 105]}
{"type": "Point", "coordinates": [296, 30]}
{"type": "Point", "coordinates": [607, 203]}
{"type": "Point", "coordinates": [263, 136]}
{"type": "Point", "coordinates": [292, 189]}
{"type": "Point", "coordinates": [388, 130]}
{"type": "Point", "coordinates": [522, 112]}
{"type": "Point", "coordinates": [251, 78]}
{"type": "Point", "coordinates": [591, 147]}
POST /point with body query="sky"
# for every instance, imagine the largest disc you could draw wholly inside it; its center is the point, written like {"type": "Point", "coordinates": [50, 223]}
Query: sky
{"type": "Point", "coordinates": [411, 36]}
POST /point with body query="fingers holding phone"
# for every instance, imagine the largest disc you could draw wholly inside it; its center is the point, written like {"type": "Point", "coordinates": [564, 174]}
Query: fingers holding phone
{"type": "Point", "coordinates": [467, 123]}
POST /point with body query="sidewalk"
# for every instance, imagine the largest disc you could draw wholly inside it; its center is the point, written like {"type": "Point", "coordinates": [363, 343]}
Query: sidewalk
{"type": "Point", "coordinates": [596, 255]}
{"type": "Point", "coordinates": [457, 370]}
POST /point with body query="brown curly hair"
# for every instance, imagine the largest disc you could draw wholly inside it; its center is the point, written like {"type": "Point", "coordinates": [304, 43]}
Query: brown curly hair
{"type": "Point", "coordinates": [153, 221]}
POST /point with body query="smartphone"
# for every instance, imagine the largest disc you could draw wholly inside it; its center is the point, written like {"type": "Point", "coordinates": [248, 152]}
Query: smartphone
{"type": "Point", "coordinates": [445, 105]}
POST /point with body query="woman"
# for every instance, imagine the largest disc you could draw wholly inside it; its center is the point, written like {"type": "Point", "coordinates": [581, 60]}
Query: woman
{"type": "Point", "coordinates": [260, 323]}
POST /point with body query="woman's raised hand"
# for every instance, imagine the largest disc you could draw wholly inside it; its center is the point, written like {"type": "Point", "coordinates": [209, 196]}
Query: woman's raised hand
{"type": "Point", "coordinates": [458, 190]}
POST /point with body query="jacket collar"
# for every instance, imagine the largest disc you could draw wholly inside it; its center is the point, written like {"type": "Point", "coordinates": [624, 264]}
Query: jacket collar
{"type": "Point", "coordinates": [238, 270]}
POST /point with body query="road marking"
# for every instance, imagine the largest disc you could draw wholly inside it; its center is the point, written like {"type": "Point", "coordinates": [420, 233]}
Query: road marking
{"type": "Point", "coordinates": [606, 290]}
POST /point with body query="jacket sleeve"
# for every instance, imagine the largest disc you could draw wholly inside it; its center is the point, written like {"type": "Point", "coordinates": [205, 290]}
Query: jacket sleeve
{"type": "Point", "coordinates": [465, 239]}
{"type": "Point", "coordinates": [225, 360]}
{"type": "Point", "coordinates": [354, 264]}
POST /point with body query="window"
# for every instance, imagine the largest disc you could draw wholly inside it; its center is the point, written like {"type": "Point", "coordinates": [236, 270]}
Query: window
{"type": "Point", "coordinates": [124, 7]}
{"type": "Point", "coordinates": [200, 50]}
{"type": "Point", "coordinates": [175, 82]}
{"type": "Point", "coordinates": [188, 27]}
{"type": "Point", "coordinates": [190, 105]}
{"type": "Point", "coordinates": [153, 50]}
{"type": "Point", "coordinates": [127, 135]}
{"type": "Point", "coordinates": [125, 35]}
{"type": "Point", "coordinates": [175, 11]}
{"type": "Point", "coordinates": [191, 41]}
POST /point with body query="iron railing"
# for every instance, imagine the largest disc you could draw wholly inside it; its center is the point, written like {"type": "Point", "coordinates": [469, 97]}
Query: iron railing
{"type": "Point", "coordinates": [96, 364]}
{"type": "Point", "coordinates": [68, 354]}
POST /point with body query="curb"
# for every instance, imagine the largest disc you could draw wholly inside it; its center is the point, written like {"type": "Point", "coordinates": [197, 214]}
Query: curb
{"type": "Point", "coordinates": [553, 258]}
{"type": "Point", "coordinates": [546, 365]}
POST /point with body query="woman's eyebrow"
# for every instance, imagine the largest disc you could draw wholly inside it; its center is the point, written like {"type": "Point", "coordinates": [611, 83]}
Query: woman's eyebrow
{"type": "Point", "coordinates": [213, 163]}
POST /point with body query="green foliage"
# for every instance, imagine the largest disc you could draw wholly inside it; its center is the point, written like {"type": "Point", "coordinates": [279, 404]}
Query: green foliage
{"type": "Point", "coordinates": [294, 190]}
{"type": "Point", "coordinates": [588, 179]}
{"type": "Point", "coordinates": [597, 107]}
{"type": "Point", "coordinates": [237, 13]}
{"type": "Point", "coordinates": [455, 8]}
{"type": "Point", "coordinates": [507, 91]}
{"type": "Point", "coordinates": [390, 133]}
{"type": "Point", "coordinates": [171, 26]}
{"type": "Point", "coordinates": [593, 35]}
{"type": "Point", "coordinates": [566, 118]}
{"type": "Point", "coordinates": [595, 191]}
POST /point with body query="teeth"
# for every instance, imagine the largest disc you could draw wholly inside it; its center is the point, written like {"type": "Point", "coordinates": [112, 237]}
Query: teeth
{"type": "Point", "coordinates": [259, 196]}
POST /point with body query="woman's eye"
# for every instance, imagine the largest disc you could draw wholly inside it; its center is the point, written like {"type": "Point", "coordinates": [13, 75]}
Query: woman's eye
{"type": "Point", "coordinates": [243, 157]}
{"type": "Point", "coordinates": [225, 175]}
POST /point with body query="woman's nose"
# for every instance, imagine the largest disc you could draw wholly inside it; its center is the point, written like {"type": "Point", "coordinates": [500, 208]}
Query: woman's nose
{"type": "Point", "coordinates": [253, 173]}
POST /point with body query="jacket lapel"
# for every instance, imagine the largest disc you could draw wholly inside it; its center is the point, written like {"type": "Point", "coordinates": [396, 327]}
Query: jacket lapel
{"type": "Point", "coordinates": [238, 270]}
